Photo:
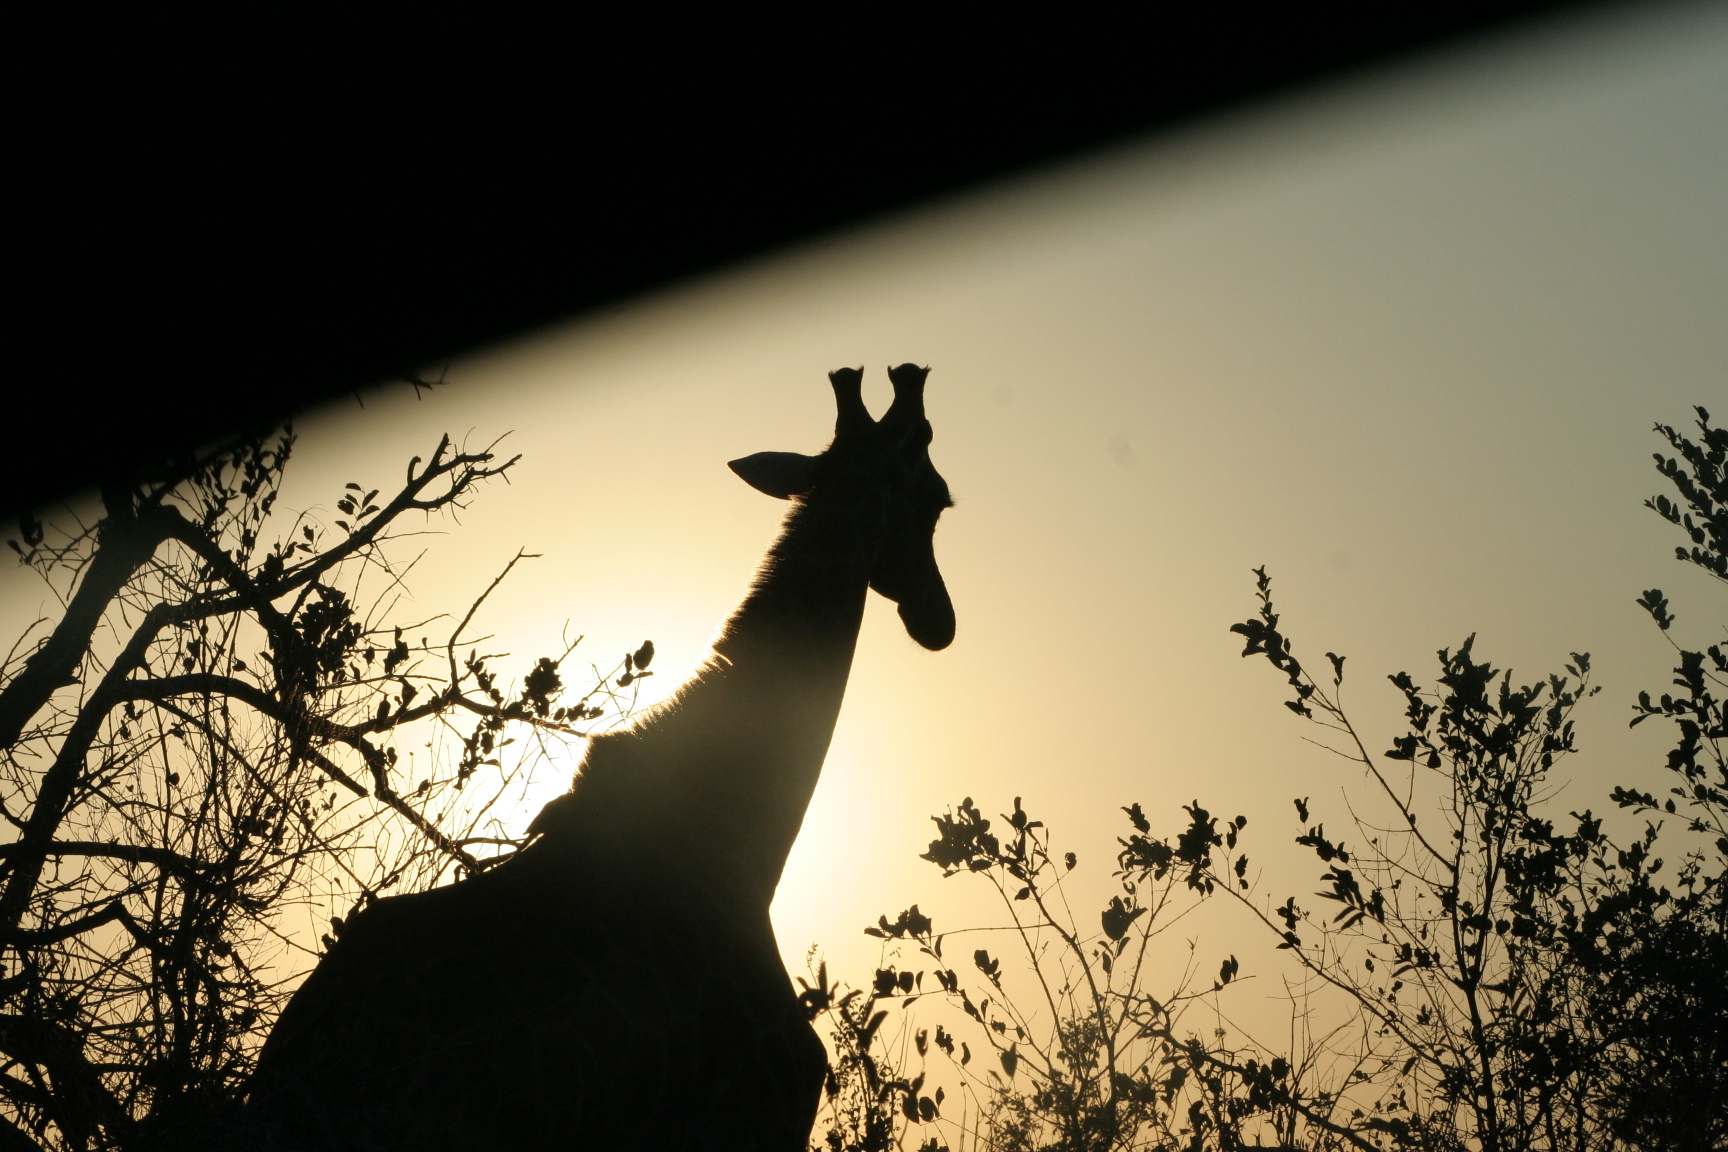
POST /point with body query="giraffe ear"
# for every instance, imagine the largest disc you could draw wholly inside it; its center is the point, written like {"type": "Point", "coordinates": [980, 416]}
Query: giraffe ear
{"type": "Point", "coordinates": [779, 474]}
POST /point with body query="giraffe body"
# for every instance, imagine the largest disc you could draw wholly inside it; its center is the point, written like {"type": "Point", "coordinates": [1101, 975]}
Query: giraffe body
{"type": "Point", "coordinates": [617, 985]}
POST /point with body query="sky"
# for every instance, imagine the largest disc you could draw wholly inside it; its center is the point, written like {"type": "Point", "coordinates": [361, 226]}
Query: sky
{"type": "Point", "coordinates": [1400, 337]}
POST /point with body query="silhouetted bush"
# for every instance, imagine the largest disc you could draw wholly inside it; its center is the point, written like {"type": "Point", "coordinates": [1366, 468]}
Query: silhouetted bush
{"type": "Point", "coordinates": [1075, 1049]}
{"type": "Point", "coordinates": [1515, 980]}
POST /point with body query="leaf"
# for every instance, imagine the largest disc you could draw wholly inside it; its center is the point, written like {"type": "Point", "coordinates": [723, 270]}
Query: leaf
{"type": "Point", "coordinates": [911, 922]}
{"type": "Point", "coordinates": [1119, 917]}
{"type": "Point", "coordinates": [1656, 604]}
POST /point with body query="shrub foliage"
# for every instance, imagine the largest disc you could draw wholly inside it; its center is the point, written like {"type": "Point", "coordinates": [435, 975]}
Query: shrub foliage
{"type": "Point", "coordinates": [1514, 978]}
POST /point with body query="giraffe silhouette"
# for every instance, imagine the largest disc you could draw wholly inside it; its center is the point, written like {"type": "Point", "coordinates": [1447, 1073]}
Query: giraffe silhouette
{"type": "Point", "coordinates": [616, 984]}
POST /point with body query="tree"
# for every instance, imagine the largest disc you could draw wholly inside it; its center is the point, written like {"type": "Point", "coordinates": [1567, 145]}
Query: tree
{"type": "Point", "coordinates": [1450, 939]}
{"type": "Point", "coordinates": [1532, 986]}
{"type": "Point", "coordinates": [1654, 956]}
{"type": "Point", "coordinates": [203, 764]}
{"type": "Point", "coordinates": [1075, 1051]}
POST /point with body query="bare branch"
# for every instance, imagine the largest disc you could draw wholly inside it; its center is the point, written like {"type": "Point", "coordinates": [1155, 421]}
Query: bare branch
{"type": "Point", "coordinates": [181, 866]}
{"type": "Point", "coordinates": [124, 544]}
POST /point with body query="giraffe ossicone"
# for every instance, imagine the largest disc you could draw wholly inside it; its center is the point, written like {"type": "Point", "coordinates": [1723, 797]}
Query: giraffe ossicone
{"type": "Point", "coordinates": [616, 984]}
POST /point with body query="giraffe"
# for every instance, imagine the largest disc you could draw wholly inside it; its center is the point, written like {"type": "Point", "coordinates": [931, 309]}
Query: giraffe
{"type": "Point", "coordinates": [616, 984]}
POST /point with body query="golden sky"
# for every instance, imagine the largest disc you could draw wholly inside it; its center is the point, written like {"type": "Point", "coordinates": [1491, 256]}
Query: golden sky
{"type": "Point", "coordinates": [1401, 338]}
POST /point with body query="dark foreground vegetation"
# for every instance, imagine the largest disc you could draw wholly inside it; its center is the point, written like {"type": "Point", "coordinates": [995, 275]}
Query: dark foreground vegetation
{"type": "Point", "coordinates": [1475, 970]}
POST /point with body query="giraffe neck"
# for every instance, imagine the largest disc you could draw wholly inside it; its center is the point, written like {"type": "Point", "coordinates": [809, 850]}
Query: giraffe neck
{"type": "Point", "coordinates": [727, 768]}
{"type": "Point", "coordinates": [807, 600]}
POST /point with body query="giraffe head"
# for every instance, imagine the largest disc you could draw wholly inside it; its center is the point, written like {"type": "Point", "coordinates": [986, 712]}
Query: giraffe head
{"type": "Point", "coordinates": [881, 469]}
